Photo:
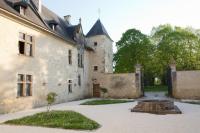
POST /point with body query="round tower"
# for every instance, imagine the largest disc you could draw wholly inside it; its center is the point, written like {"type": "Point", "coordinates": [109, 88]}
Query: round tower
{"type": "Point", "coordinates": [100, 41]}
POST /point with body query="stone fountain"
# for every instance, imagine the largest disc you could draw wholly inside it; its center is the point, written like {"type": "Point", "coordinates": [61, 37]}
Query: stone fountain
{"type": "Point", "coordinates": [155, 106]}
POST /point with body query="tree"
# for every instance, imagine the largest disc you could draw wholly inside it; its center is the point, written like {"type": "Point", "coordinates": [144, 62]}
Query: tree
{"type": "Point", "coordinates": [154, 53]}
{"type": "Point", "coordinates": [179, 44]}
{"type": "Point", "coordinates": [133, 48]}
{"type": "Point", "coordinates": [51, 98]}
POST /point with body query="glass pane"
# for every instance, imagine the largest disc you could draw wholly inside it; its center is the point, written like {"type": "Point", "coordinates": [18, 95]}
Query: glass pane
{"type": "Point", "coordinates": [20, 90]}
{"type": "Point", "coordinates": [70, 52]}
{"type": "Point", "coordinates": [22, 36]}
{"type": "Point", "coordinates": [79, 80]}
{"type": "Point", "coordinates": [29, 49]}
{"type": "Point", "coordinates": [28, 89]}
{"type": "Point", "coordinates": [28, 78]}
{"type": "Point", "coordinates": [22, 10]}
{"type": "Point", "coordinates": [70, 88]}
{"type": "Point", "coordinates": [29, 38]}
{"type": "Point", "coordinates": [21, 48]}
{"type": "Point", "coordinates": [20, 78]}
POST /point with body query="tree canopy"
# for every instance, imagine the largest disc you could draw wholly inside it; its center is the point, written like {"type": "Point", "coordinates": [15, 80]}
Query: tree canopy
{"type": "Point", "coordinates": [154, 52]}
{"type": "Point", "coordinates": [133, 48]}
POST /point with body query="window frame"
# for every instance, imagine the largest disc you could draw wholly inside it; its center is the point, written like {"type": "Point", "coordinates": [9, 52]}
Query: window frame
{"type": "Point", "coordinates": [22, 10]}
{"type": "Point", "coordinates": [70, 86]}
{"type": "Point", "coordinates": [70, 57]}
{"type": "Point", "coordinates": [27, 43]}
{"type": "Point", "coordinates": [95, 44]}
{"type": "Point", "coordinates": [79, 80]}
{"type": "Point", "coordinates": [79, 60]}
{"type": "Point", "coordinates": [95, 68]}
{"type": "Point", "coordinates": [24, 82]}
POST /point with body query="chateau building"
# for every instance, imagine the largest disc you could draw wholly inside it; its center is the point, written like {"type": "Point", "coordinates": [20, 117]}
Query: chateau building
{"type": "Point", "coordinates": [41, 52]}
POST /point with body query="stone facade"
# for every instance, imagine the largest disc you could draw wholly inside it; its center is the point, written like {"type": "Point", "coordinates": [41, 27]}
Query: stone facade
{"type": "Point", "coordinates": [49, 66]}
{"type": "Point", "coordinates": [102, 55]}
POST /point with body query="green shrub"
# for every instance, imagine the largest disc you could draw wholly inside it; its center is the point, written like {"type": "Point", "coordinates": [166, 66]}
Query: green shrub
{"type": "Point", "coordinates": [51, 98]}
{"type": "Point", "coordinates": [104, 91]}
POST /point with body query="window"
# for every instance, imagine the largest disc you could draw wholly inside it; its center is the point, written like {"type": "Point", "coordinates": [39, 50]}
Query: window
{"type": "Point", "coordinates": [80, 60]}
{"type": "Point", "coordinates": [79, 80]}
{"type": "Point", "coordinates": [95, 68]}
{"type": "Point", "coordinates": [70, 86]}
{"type": "Point", "coordinates": [22, 10]}
{"type": "Point", "coordinates": [53, 27]}
{"type": "Point", "coordinates": [70, 57]}
{"type": "Point", "coordinates": [95, 44]}
{"type": "Point", "coordinates": [25, 44]}
{"type": "Point", "coordinates": [24, 85]}
{"type": "Point", "coordinates": [22, 48]}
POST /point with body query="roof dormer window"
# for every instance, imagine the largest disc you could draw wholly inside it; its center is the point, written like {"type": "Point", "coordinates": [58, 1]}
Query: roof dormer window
{"type": "Point", "coordinates": [53, 24]}
{"type": "Point", "coordinates": [21, 6]}
{"type": "Point", "coordinates": [53, 27]}
{"type": "Point", "coordinates": [22, 10]}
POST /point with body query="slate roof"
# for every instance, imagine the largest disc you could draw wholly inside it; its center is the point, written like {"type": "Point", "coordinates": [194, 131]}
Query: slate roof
{"type": "Point", "coordinates": [98, 29]}
{"type": "Point", "coordinates": [63, 29]}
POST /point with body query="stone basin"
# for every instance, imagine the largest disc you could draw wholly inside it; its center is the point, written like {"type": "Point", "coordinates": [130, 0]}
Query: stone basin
{"type": "Point", "coordinates": [156, 107]}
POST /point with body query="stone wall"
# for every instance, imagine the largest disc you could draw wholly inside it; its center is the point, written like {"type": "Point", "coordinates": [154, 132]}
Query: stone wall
{"type": "Point", "coordinates": [49, 67]}
{"type": "Point", "coordinates": [121, 85]}
{"type": "Point", "coordinates": [187, 85]}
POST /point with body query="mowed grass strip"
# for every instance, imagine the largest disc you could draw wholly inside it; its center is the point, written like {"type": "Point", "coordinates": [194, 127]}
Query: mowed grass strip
{"type": "Point", "coordinates": [103, 102]}
{"type": "Point", "coordinates": [158, 88]}
{"type": "Point", "coordinates": [57, 119]}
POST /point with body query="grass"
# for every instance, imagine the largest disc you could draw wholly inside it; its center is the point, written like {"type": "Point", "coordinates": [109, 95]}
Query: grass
{"type": "Point", "coordinates": [155, 88]}
{"type": "Point", "coordinates": [57, 119]}
{"type": "Point", "coordinates": [103, 102]}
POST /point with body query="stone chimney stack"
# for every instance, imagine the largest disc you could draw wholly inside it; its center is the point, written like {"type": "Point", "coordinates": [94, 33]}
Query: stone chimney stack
{"type": "Point", "coordinates": [38, 4]}
{"type": "Point", "coordinates": [67, 19]}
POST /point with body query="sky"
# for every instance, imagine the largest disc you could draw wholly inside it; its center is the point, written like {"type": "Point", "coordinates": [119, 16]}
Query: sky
{"type": "Point", "coordinates": [120, 15]}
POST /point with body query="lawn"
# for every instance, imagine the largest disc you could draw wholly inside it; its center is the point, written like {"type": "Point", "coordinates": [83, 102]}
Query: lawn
{"type": "Point", "coordinates": [57, 119]}
{"type": "Point", "coordinates": [102, 102]}
{"type": "Point", "coordinates": [155, 88]}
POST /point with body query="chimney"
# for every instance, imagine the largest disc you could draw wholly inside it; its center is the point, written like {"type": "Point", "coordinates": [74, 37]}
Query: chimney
{"type": "Point", "coordinates": [80, 20]}
{"type": "Point", "coordinates": [67, 19]}
{"type": "Point", "coordinates": [38, 4]}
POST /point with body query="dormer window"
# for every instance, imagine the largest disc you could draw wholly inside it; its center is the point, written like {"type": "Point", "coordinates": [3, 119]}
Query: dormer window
{"type": "Point", "coordinates": [21, 6]}
{"type": "Point", "coordinates": [95, 44]}
{"type": "Point", "coordinates": [53, 27]}
{"type": "Point", "coordinates": [53, 24]}
{"type": "Point", "coordinates": [22, 10]}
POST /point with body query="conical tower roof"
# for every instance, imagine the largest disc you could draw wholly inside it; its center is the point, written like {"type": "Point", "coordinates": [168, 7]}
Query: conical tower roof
{"type": "Point", "coordinates": [98, 29]}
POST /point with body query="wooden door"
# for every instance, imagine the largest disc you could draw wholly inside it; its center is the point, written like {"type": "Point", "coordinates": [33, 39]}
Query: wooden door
{"type": "Point", "coordinates": [96, 90]}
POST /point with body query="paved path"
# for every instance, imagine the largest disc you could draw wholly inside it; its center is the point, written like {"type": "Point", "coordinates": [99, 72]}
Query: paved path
{"type": "Point", "coordinates": [118, 119]}
{"type": "Point", "coordinates": [155, 95]}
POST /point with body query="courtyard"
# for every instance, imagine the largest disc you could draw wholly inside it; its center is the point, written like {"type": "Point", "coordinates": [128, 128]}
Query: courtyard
{"type": "Point", "coordinates": [116, 118]}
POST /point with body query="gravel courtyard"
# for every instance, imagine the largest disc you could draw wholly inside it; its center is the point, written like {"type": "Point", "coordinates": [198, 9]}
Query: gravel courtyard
{"type": "Point", "coordinates": [117, 118]}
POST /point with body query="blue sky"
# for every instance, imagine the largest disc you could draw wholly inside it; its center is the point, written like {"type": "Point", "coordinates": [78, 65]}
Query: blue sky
{"type": "Point", "coordinates": [120, 15]}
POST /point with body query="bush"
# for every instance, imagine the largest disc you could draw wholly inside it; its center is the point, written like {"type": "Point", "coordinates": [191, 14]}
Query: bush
{"type": "Point", "coordinates": [104, 91]}
{"type": "Point", "coordinates": [51, 98]}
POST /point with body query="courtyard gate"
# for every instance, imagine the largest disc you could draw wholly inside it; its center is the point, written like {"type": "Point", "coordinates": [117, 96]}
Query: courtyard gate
{"type": "Point", "coordinates": [169, 81]}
